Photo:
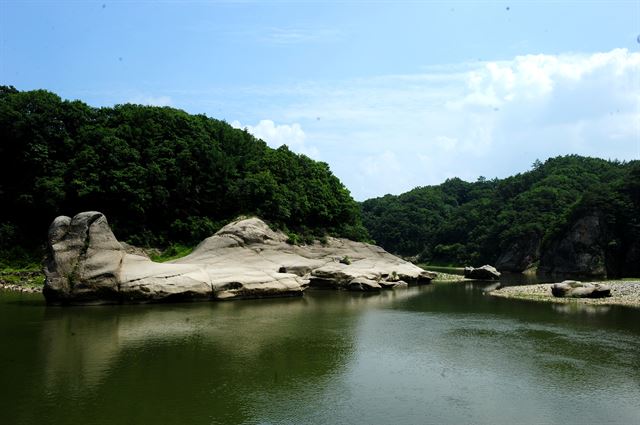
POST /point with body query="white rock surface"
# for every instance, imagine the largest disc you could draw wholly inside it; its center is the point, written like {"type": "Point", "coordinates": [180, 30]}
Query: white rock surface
{"type": "Point", "coordinates": [244, 259]}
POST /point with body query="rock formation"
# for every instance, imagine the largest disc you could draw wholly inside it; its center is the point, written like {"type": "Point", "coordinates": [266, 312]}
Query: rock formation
{"type": "Point", "coordinates": [520, 255]}
{"type": "Point", "coordinates": [485, 272]}
{"type": "Point", "coordinates": [575, 289]}
{"type": "Point", "coordinates": [580, 251]}
{"type": "Point", "coordinates": [244, 259]}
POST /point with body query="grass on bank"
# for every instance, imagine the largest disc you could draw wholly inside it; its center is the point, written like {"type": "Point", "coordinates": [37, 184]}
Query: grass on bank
{"type": "Point", "coordinates": [30, 276]}
{"type": "Point", "coordinates": [21, 267]}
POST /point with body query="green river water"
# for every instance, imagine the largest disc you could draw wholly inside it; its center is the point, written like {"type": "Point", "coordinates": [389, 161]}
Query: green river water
{"type": "Point", "coordinates": [444, 353]}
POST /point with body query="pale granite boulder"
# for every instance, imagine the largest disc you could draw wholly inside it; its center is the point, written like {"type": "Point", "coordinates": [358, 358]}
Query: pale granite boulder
{"type": "Point", "coordinates": [244, 259]}
{"type": "Point", "coordinates": [576, 289]}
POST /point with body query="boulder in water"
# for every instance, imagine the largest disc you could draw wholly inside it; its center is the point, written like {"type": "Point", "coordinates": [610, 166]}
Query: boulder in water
{"type": "Point", "coordinates": [485, 272]}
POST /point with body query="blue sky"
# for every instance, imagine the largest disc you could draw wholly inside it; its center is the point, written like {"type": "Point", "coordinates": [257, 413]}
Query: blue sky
{"type": "Point", "coordinates": [392, 94]}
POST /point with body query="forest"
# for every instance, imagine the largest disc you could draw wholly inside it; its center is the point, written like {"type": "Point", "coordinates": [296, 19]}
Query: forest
{"type": "Point", "coordinates": [163, 177]}
{"type": "Point", "coordinates": [159, 174]}
{"type": "Point", "coordinates": [458, 222]}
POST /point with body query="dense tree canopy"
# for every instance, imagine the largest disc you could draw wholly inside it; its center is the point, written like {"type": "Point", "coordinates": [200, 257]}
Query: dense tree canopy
{"type": "Point", "coordinates": [162, 176]}
{"type": "Point", "coordinates": [473, 223]}
{"type": "Point", "coordinates": [159, 174]}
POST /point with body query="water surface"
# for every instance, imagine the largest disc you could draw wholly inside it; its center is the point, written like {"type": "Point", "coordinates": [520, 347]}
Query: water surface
{"type": "Point", "coordinates": [441, 354]}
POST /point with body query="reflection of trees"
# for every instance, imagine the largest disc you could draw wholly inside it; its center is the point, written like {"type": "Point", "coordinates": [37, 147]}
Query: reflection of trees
{"type": "Point", "coordinates": [189, 362]}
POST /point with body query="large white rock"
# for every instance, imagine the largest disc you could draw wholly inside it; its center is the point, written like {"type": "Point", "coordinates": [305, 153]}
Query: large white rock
{"type": "Point", "coordinates": [244, 259]}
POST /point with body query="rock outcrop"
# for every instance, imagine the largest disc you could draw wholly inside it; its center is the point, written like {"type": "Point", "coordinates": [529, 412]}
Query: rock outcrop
{"type": "Point", "coordinates": [575, 289]}
{"type": "Point", "coordinates": [580, 251]}
{"type": "Point", "coordinates": [245, 259]}
{"type": "Point", "coordinates": [485, 272]}
{"type": "Point", "coordinates": [520, 255]}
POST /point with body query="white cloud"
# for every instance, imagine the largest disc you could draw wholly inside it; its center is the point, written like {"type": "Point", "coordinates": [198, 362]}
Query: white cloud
{"type": "Point", "coordinates": [384, 168]}
{"type": "Point", "coordinates": [151, 100]}
{"type": "Point", "coordinates": [277, 135]}
{"type": "Point", "coordinates": [388, 134]}
{"type": "Point", "coordinates": [392, 133]}
{"type": "Point", "coordinates": [534, 77]}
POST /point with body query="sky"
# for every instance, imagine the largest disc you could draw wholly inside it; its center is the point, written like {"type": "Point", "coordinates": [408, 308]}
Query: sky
{"type": "Point", "coordinates": [391, 94]}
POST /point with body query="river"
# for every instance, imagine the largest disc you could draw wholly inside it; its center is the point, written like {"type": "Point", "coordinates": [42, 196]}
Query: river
{"type": "Point", "coordinates": [444, 353]}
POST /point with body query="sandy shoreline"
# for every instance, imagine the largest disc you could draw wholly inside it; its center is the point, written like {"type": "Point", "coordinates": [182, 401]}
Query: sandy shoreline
{"type": "Point", "coordinates": [626, 293]}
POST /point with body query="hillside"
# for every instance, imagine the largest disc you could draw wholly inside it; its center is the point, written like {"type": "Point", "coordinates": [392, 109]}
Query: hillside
{"type": "Point", "coordinates": [160, 174]}
{"type": "Point", "coordinates": [518, 221]}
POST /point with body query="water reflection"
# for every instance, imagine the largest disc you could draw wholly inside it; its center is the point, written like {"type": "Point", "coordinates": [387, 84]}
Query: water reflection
{"type": "Point", "coordinates": [446, 351]}
{"type": "Point", "coordinates": [578, 308]}
{"type": "Point", "coordinates": [228, 354]}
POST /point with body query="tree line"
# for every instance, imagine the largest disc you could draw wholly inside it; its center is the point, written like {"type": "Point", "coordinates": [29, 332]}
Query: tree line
{"type": "Point", "coordinates": [460, 222]}
{"type": "Point", "coordinates": [159, 174]}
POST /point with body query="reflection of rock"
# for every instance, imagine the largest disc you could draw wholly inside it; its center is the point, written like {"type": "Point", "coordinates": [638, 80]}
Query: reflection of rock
{"type": "Point", "coordinates": [572, 308]}
{"type": "Point", "coordinates": [492, 287]}
{"type": "Point", "coordinates": [575, 289]}
{"type": "Point", "coordinates": [485, 272]}
{"type": "Point", "coordinates": [245, 259]}
{"type": "Point", "coordinates": [87, 343]}
{"type": "Point", "coordinates": [520, 255]}
{"type": "Point", "coordinates": [87, 349]}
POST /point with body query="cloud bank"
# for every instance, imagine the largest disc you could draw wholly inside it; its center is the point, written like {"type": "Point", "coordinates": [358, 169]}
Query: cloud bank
{"type": "Point", "coordinates": [389, 134]}
{"type": "Point", "coordinates": [278, 135]}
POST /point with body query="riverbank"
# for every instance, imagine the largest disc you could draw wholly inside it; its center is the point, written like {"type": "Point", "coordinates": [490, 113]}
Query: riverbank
{"type": "Point", "coordinates": [18, 280]}
{"type": "Point", "coordinates": [449, 277]}
{"type": "Point", "coordinates": [623, 292]}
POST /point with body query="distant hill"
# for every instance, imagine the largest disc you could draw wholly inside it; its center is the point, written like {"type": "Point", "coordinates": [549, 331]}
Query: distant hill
{"type": "Point", "coordinates": [160, 174]}
{"type": "Point", "coordinates": [541, 217]}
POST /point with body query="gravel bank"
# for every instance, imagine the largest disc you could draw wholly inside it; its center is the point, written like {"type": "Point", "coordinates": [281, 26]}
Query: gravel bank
{"type": "Point", "coordinates": [622, 293]}
{"type": "Point", "coordinates": [22, 281]}
{"type": "Point", "coordinates": [20, 288]}
{"type": "Point", "coordinates": [448, 277]}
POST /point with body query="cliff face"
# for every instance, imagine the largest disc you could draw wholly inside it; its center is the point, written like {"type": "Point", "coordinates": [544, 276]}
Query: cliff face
{"type": "Point", "coordinates": [632, 260]}
{"type": "Point", "coordinates": [579, 251]}
{"type": "Point", "coordinates": [593, 246]}
{"type": "Point", "coordinates": [520, 255]}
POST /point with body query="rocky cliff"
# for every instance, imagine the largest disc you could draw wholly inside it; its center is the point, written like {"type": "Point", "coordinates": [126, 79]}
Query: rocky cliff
{"type": "Point", "coordinates": [245, 259]}
{"type": "Point", "coordinates": [593, 245]}
{"type": "Point", "coordinates": [520, 255]}
{"type": "Point", "coordinates": [580, 251]}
